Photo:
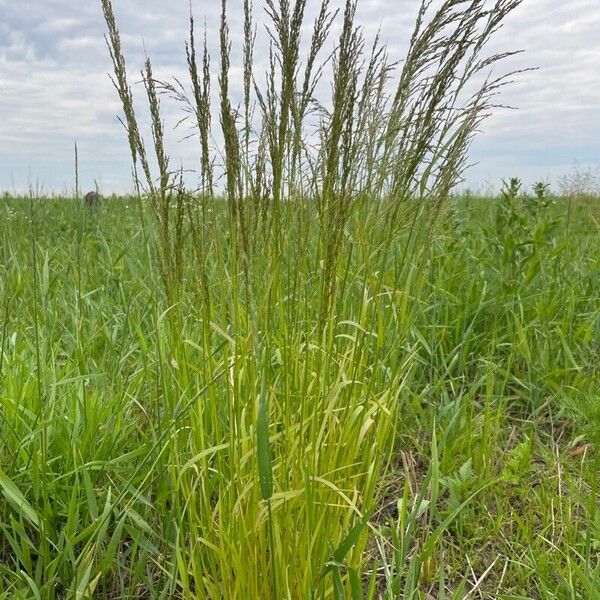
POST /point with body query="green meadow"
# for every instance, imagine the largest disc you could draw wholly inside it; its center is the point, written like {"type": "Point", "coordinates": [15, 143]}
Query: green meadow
{"type": "Point", "coordinates": [436, 437]}
{"type": "Point", "coordinates": [322, 373]}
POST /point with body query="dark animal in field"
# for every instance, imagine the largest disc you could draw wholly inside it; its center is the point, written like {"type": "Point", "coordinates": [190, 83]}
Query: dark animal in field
{"type": "Point", "coordinates": [92, 199]}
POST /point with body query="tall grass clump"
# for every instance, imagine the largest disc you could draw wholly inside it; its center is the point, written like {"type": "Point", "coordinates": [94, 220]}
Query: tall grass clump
{"type": "Point", "coordinates": [286, 452]}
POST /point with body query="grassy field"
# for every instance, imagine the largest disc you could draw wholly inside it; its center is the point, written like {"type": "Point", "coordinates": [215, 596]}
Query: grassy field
{"type": "Point", "coordinates": [318, 375]}
{"type": "Point", "coordinates": [431, 433]}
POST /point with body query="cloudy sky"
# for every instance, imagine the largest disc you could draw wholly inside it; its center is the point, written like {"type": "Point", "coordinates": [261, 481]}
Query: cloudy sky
{"type": "Point", "coordinates": [54, 86]}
